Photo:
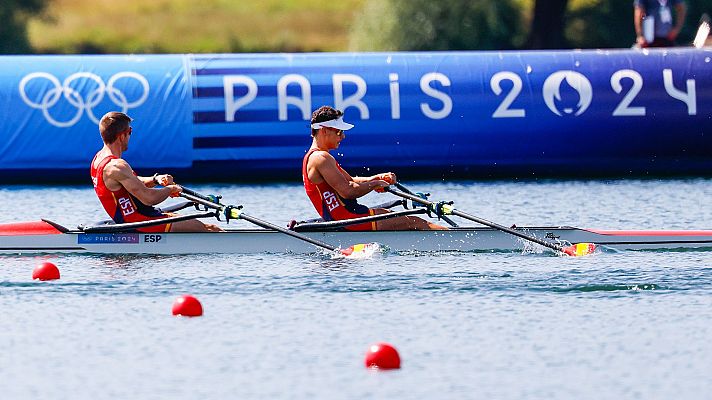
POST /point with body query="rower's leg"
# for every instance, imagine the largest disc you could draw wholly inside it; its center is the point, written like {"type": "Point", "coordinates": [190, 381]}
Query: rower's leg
{"type": "Point", "coordinates": [404, 223]}
{"type": "Point", "coordinates": [193, 225]}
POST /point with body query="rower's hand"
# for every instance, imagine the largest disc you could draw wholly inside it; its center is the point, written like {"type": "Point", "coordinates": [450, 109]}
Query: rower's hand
{"type": "Point", "coordinates": [165, 179]}
{"type": "Point", "coordinates": [175, 189]}
{"type": "Point", "coordinates": [380, 185]}
{"type": "Point", "coordinates": [389, 177]}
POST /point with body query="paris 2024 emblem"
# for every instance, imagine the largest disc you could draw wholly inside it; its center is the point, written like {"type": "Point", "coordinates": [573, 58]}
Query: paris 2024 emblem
{"type": "Point", "coordinates": [574, 80]}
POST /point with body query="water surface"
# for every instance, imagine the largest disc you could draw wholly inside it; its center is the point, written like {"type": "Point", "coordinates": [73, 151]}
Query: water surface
{"type": "Point", "coordinates": [467, 325]}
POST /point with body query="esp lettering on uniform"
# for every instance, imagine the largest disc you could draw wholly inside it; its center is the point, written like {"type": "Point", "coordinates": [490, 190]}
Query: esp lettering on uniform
{"type": "Point", "coordinates": [331, 201]}
{"type": "Point", "coordinates": [127, 207]}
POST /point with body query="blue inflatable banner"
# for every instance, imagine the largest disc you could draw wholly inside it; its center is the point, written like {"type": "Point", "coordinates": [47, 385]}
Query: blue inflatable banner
{"type": "Point", "coordinates": [51, 106]}
{"type": "Point", "coordinates": [430, 114]}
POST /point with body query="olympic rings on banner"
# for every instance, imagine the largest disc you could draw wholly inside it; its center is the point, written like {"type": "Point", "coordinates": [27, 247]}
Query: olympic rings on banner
{"type": "Point", "coordinates": [93, 98]}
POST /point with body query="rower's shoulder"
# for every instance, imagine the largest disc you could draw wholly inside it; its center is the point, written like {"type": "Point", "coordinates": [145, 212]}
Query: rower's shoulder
{"type": "Point", "coordinates": [101, 157]}
{"type": "Point", "coordinates": [323, 154]}
{"type": "Point", "coordinates": [117, 167]}
{"type": "Point", "coordinates": [119, 163]}
{"type": "Point", "coordinates": [319, 157]}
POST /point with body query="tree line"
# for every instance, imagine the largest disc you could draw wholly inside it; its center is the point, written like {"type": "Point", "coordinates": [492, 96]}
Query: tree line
{"type": "Point", "coordinates": [391, 25]}
{"type": "Point", "coordinates": [503, 24]}
{"type": "Point", "coordinates": [14, 15]}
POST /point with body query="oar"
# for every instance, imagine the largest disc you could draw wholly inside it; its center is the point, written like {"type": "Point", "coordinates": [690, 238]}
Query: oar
{"type": "Point", "coordinates": [129, 226]}
{"type": "Point", "coordinates": [442, 208]}
{"type": "Point", "coordinates": [330, 225]}
{"type": "Point", "coordinates": [408, 191]}
{"type": "Point", "coordinates": [233, 212]}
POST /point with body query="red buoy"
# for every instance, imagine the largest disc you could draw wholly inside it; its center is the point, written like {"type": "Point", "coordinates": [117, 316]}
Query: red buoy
{"type": "Point", "coordinates": [187, 306]}
{"type": "Point", "coordinates": [45, 272]}
{"type": "Point", "coordinates": [382, 356]}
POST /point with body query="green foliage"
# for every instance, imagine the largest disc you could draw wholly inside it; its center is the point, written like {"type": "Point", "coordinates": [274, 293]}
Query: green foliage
{"type": "Point", "coordinates": [190, 26]}
{"type": "Point", "coordinates": [14, 15]}
{"type": "Point", "coordinates": [601, 24]}
{"type": "Point", "coordinates": [436, 25]}
{"type": "Point", "coordinates": [389, 25]}
{"type": "Point", "coordinates": [193, 26]}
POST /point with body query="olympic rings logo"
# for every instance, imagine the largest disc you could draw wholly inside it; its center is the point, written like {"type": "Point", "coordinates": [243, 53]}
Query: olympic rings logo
{"type": "Point", "coordinates": [67, 90]}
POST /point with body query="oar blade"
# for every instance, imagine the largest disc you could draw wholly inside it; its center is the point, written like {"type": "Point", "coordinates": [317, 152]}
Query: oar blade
{"type": "Point", "coordinates": [579, 249]}
{"type": "Point", "coordinates": [360, 251]}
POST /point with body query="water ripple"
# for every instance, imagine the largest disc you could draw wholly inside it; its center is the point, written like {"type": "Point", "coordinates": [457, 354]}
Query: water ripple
{"type": "Point", "coordinates": [608, 288]}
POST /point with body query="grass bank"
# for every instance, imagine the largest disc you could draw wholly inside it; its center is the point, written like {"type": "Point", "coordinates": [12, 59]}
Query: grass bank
{"type": "Point", "coordinates": [190, 26]}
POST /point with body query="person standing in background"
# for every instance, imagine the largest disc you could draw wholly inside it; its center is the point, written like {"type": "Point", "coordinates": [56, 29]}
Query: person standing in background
{"type": "Point", "coordinates": [661, 13]}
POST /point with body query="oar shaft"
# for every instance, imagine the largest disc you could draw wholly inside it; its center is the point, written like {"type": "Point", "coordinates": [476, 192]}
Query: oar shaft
{"type": "Point", "coordinates": [267, 225]}
{"type": "Point", "coordinates": [202, 200]}
{"type": "Point", "coordinates": [403, 188]}
{"type": "Point", "coordinates": [508, 230]}
{"type": "Point", "coordinates": [264, 224]}
{"type": "Point", "coordinates": [478, 220]}
{"type": "Point", "coordinates": [129, 226]}
{"type": "Point", "coordinates": [360, 220]}
{"type": "Point", "coordinates": [408, 191]}
{"type": "Point", "coordinates": [191, 192]}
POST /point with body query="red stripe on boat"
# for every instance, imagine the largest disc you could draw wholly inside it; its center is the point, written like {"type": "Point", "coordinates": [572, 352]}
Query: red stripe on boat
{"type": "Point", "coordinates": [652, 233]}
{"type": "Point", "coordinates": [28, 228]}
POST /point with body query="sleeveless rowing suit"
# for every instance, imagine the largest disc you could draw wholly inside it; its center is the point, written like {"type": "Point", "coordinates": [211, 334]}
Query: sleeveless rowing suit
{"type": "Point", "coordinates": [330, 205]}
{"type": "Point", "coordinates": [121, 205]}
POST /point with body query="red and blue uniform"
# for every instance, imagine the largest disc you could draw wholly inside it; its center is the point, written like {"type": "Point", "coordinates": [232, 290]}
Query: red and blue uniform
{"type": "Point", "coordinates": [121, 205]}
{"type": "Point", "coordinates": [330, 205]}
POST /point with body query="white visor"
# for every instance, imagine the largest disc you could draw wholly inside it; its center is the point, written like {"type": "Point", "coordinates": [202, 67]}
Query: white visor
{"type": "Point", "coordinates": [334, 123]}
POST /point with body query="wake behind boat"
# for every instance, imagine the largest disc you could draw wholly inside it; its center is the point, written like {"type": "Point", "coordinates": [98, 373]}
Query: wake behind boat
{"type": "Point", "coordinates": [49, 237]}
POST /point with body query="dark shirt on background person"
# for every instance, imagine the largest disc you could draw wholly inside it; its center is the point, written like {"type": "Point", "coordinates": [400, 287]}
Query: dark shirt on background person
{"type": "Point", "coordinates": [661, 12]}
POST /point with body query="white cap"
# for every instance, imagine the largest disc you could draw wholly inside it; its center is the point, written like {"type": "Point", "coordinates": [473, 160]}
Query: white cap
{"type": "Point", "coordinates": [334, 123]}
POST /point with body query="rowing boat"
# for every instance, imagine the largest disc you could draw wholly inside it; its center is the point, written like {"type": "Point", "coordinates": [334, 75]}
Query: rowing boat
{"type": "Point", "coordinates": [49, 237]}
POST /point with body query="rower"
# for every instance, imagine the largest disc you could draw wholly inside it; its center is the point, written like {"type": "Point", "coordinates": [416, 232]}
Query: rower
{"type": "Point", "coordinates": [331, 189]}
{"type": "Point", "coordinates": [127, 197]}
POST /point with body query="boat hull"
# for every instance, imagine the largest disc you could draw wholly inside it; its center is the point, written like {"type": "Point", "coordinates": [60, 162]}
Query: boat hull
{"type": "Point", "coordinates": [263, 241]}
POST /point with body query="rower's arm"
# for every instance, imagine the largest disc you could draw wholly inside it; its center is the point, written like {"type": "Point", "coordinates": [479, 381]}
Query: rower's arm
{"type": "Point", "coordinates": [120, 172]}
{"type": "Point", "coordinates": [157, 179]}
{"type": "Point", "coordinates": [147, 181]}
{"type": "Point", "coordinates": [389, 177]}
{"type": "Point", "coordinates": [343, 183]}
{"type": "Point", "coordinates": [386, 176]}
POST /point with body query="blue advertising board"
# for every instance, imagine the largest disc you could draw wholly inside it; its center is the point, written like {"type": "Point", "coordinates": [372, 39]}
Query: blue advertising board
{"type": "Point", "coordinates": [51, 106]}
{"type": "Point", "coordinates": [436, 114]}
